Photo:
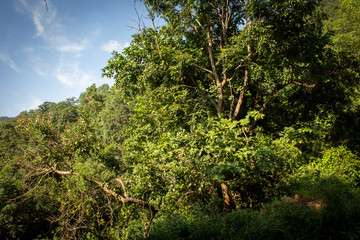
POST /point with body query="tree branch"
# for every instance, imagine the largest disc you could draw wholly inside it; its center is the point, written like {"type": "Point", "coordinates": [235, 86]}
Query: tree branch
{"type": "Point", "coordinates": [202, 68]}
{"type": "Point", "coordinates": [241, 97]}
{"type": "Point", "coordinates": [124, 200]}
{"type": "Point", "coordinates": [310, 86]}
{"type": "Point", "coordinates": [265, 104]}
{"type": "Point", "coordinates": [203, 93]}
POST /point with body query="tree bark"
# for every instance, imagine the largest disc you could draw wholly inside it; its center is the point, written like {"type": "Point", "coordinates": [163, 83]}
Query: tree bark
{"type": "Point", "coordinates": [226, 198]}
{"type": "Point", "coordinates": [241, 97]}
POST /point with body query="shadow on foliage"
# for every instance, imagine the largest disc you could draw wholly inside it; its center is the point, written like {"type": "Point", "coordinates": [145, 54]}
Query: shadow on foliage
{"type": "Point", "coordinates": [338, 219]}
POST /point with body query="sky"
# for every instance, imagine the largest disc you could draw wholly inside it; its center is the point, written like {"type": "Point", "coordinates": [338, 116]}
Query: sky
{"type": "Point", "coordinates": [53, 52]}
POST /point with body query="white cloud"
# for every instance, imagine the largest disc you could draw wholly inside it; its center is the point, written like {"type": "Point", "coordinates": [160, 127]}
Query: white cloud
{"type": "Point", "coordinates": [66, 80]}
{"type": "Point", "coordinates": [41, 18]}
{"type": "Point", "coordinates": [39, 27]}
{"type": "Point", "coordinates": [70, 74]}
{"type": "Point", "coordinates": [78, 79]}
{"type": "Point", "coordinates": [7, 60]}
{"type": "Point", "coordinates": [36, 62]}
{"type": "Point", "coordinates": [50, 28]}
{"type": "Point", "coordinates": [39, 71]}
{"type": "Point", "coordinates": [113, 45]}
{"type": "Point", "coordinates": [72, 47]}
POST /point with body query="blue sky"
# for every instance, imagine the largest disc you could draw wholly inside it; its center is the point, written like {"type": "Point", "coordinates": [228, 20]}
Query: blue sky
{"type": "Point", "coordinates": [56, 54]}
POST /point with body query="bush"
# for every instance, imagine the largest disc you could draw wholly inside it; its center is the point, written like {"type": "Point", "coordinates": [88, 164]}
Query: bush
{"type": "Point", "coordinates": [336, 162]}
{"type": "Point", "coordinates": [339, 219]}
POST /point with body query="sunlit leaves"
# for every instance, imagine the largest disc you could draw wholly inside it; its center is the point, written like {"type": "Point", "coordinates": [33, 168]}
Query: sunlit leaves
{"type": "Point", "coordinates": [345, 22]}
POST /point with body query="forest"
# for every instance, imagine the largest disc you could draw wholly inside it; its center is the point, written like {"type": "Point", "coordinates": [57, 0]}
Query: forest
{"type": "Point", "coordinates": [231, 119]}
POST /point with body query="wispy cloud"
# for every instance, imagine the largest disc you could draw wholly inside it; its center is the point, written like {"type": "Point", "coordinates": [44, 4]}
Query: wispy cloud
{"type": "Point", "coordinates": [113, 45]}
{"type": "Point", "coordinates": [50, 28]}
{"type": "Point", "coordinates": [35, 62]}
{"type": "Point", "coordinates": [42, 19]}
{"type": "Point", "coordinates": [7, 60]}
{"type": "Point", "coordinates": [39, 26]}
{"type": "Point", "coordinates": [70, 74]}
{"type": "Point", "coordinates": [39, 69]}
{"type": "Point", "coordinates": [78, 79]}
{"type": "Point", "coordinates": [72, 47]}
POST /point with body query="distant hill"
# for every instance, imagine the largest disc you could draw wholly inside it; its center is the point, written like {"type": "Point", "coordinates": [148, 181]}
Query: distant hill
{"type": "Point", "coordinates": [4, 119]}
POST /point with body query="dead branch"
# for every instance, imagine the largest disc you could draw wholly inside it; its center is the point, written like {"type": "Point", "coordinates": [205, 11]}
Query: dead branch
{"type": "Point", "coordinates": [124, 199]}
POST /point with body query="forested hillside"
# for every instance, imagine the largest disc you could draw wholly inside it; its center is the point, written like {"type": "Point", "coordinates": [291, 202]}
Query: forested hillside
{"type": "Point", "coordinates": [232, 120]}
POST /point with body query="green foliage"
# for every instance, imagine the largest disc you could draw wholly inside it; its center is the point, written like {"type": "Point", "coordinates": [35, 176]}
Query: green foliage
{"type": "Point", "coordinates": [58, 159]}
{"type": "Point", "coordinates": [339, 219]}
{"type": "Point", "coordinates": [346, 24]}
{"type": "Point", "coordinates": [23, 214]}
{"type": "Point", "coordinates": [185, 51]}
{"type": "Point", "coordinates": [60, 114]}
{"type": "Point", "coordinates": [9, 140]}
{"type": "Point", "coordinates": [193, 155]}
{"type": "Point", "coordinates": [92, 101]}
{"type": "Point", "coordinates": [214, 115]}
{"type": "Point", "coordinates": [113, 119]}
{"type": "Point", "coordinates": [335, 162]}
{"type": "Point", "coordinates": [181, 227]}
{"type": "Point", "coordinates": [5, 119]}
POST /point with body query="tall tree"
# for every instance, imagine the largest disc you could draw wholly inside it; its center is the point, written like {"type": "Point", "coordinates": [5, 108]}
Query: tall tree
{"type": "Point", "coordinates": [213, 69]}
{"type": "Point", "coordinates": [229, 52]}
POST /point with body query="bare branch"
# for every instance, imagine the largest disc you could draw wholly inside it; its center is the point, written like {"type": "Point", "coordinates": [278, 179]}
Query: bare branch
{"type": "Point", "coordinates": [152, 18]}
{"type": "Point", "coordinates": [138, 23]}
{"type": "Point", "coordinates": [236, 69]}
{"type": "Point", "coordinates": [265, 104]}
{"type": "Point", "coordinates": [125, 199]}
{"type": "Point", "coordinates": [309, 86]}
{"type": "Point", "coordinates": [246, 137]}
{"type": "Point", "coordinates": [202, 68]}
{"type": "Point", "coordinates": [118, 179]}
{"type": "Point", "coordinates": [45, 172]}
{"type": "Point", "coordinates": [198, 22]}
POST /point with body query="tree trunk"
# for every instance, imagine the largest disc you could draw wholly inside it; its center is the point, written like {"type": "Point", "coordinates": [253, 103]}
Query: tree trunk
{"type": "Point", "coordinates": [226, 198]}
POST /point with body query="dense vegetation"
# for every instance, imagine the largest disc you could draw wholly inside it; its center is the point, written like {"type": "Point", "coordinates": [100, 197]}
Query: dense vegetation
{"type": "Point", "coordinates": [214, 117]}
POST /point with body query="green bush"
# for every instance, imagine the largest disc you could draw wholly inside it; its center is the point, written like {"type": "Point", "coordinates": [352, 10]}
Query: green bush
{"type": "Point", "coordinates": [336, 162]}
{"type": "Point", "coordinates": [338, 219]}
